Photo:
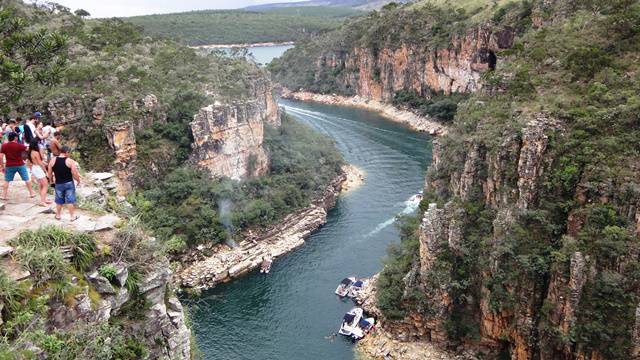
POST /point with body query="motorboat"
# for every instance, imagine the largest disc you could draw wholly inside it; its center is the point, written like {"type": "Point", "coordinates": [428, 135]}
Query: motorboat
{"type": "Point", "coordinates": [265, 267]}
{"type": "Point", "coordinates": [345, 285]}
{"type": "Point", "coordinates": [355, 288]}
{"type": "Point", "coordinates": [363, 328]}
{"type": "Point", "coordinates": [350, 322]}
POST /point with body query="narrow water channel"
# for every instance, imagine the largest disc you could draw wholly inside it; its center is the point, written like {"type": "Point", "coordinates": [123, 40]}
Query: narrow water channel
{"type": "Point", "coordinates": [292, 312]}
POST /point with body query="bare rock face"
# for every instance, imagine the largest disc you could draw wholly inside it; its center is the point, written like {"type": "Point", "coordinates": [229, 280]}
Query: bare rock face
{"type": "Point", "coordinates": [122, 140]}
{"type": "Point", "coordinates": [228, 140]}
{"type": "Point", "coordinates": [532, 159]}
{"type": "Point", "coordinates": [261, 90]}
{"type": "Point", "coordinates": [151, 112]}
{"type": "Point", "coordinates": [454, 68]}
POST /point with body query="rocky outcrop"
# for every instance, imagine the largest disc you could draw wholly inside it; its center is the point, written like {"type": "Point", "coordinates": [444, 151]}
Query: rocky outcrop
{"type": "Point", "coordinates": [261, 90]}
{"type": "Point", "coordinates": [122, 140]}
{"type": "Point", "coordinates": [228, 140]}
{"type": "Point", "coordinates": [228, 137]}
{"type": "Point", "coordinates": [207, 266]}
{"type": "Point", "coordinates": [532, 158]}
{"type": "Point", "coordinates": [150, 112]}
{"type": "Point", "coordinates": [162, 328]}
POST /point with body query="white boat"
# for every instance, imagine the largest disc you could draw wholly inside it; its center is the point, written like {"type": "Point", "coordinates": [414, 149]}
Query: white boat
{"type": "Point", "coordinates": [350, 322]}
{"type": "Point", "coordinates": [265, 267]}
{"type": "Point", "coordinates": [355, 288]}
{"type": "Point", "coordinates": [344, 287]}
{"type": "Point", "coordinates": [363, 328]}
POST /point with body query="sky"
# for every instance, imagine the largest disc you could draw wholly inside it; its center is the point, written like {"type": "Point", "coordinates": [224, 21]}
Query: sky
{"type": "Point", "coordinates": [110, 8]}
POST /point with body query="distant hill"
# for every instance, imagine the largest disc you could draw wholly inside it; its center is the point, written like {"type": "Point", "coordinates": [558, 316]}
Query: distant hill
{"type": "Point", "coordinates": [243, 26]}
{"type": "Point", "coordinates": [357, 4]}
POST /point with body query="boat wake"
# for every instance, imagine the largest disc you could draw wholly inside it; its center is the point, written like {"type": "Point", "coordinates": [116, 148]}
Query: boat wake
{"type": "Point", "coordinates": [410, 206]}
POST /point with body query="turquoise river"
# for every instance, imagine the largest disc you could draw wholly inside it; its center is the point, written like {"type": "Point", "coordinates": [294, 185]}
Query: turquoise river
{"type": "Point", "coordinates": [292, 312]}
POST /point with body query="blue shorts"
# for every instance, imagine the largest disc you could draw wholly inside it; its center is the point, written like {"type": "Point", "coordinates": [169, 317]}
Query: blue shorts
{"type": "Point", "coordinates": [65, 193]}
{"type": "Point", "coordinates": [10, 173]}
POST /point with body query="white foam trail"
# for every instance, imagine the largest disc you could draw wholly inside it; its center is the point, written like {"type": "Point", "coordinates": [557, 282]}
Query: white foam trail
{"type": "Point", "coordinates": [410, 206]}
{"type": "Point", "coordinates": [324, 117]}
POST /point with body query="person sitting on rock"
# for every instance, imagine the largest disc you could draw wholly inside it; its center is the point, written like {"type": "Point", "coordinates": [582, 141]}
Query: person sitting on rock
{"type": "Point", "coordinates": [12, 152]}
{"type": "Point", "coordinates": [63, 171]}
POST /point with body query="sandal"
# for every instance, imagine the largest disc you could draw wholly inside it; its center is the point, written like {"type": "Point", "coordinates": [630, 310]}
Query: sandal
{"type": "Point", "coordinates": [75, 218]}
{"type": "Point", "coordinates": [58, 217]}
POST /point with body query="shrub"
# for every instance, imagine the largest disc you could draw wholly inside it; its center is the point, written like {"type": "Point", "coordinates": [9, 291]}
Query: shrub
{"type": "Point", "coordinates": [108, 271]}
{"type": "Point", "coordinates": [586, 62]}
{"type": "Point", "coordinates": [390, 285]}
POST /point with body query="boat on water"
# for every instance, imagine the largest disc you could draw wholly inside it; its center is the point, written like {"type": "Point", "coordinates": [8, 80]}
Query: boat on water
{"type": "Point", "coordinates": [345, 285]}
{"type": "Point", "coordinates": [354, 325]}
{"type": "Point", "coordinates": [265, 267]}
{"type": "Point", "coordinates": [355, 288]}
{"type": "Point", "coordinates": [350, 322]}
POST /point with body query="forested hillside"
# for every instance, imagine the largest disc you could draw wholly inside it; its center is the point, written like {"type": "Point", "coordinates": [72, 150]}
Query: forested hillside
{"type": "Point", "coordinates": [527, 243]}
{"type": "Point", "coordinates": [242, 27]}
{"type": "Point", "coordinates": [357, 4]}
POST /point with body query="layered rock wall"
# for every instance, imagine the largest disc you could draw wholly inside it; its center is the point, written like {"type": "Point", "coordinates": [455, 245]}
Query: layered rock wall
{"type": "Point", "coordinates": [454, 68]}
{"type": "Point", "coordinates": [228, 140]}
{"type": "Point", "coordinates": [228, 137]}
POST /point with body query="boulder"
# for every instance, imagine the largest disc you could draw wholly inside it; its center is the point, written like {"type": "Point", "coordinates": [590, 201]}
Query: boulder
{"type": "Point", "coordinates": [101, 284]}
{"type": "Point", "coordinates": [122, 273]}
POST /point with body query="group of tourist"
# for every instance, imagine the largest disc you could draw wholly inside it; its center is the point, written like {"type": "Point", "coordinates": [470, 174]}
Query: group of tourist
{"type": "Point", "coordinates": [31, 149]}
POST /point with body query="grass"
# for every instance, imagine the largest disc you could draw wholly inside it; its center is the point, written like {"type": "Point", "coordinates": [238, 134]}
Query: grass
{"type": "Point", "coordinates": [39, 252]}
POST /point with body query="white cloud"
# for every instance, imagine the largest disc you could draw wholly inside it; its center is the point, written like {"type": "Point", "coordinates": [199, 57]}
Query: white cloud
{"type": "Point", "coordinates": [110, 8]}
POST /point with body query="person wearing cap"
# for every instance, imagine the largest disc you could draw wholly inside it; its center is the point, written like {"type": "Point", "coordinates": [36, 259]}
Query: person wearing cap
{"type": "Point", "coordinates": [12, 152]}
{"type": "Point", "coordinates": [63, 171]}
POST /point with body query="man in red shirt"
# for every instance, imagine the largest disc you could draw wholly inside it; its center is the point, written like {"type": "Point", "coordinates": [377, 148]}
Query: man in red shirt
{"type": "Point", "coordinates": [12, 152]}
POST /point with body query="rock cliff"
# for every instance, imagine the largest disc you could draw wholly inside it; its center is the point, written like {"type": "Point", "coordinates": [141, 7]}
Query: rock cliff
{"type": "Point", "coordinates": [228, 137]}
{"type": "Point", "coordinates": [456, 67]}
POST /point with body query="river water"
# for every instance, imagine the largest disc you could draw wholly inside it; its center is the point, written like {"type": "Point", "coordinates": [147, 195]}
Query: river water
{"type": "Point", "coordinates": [292, 312]}
{"type": "Point", "coordinates": [263, 54]}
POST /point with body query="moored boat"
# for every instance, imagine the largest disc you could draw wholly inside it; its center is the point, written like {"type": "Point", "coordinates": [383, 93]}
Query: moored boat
{"type": "Point", "coordinates": [265, 267]}
{"type": "Point", "coordinates": [344, 287]}
{"type": "Point", "coordinates": [350, 322]}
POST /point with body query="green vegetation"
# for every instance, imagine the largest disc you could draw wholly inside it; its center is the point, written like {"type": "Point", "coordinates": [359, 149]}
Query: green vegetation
{"type": "Point", "coordinates": [399, 260]}
{"type": "Point", "coordinates": [439, 106]}
{"type": "Point", "coordinates": [27, 56]}
{"type": "Point", "coordinates": [25, 306]}
{"type": "Point", "coordinates": [187, 207]}
{"type": "Point", "coordinates": [40, 252]}
{"type": "Point", "coordinates": [242, 27]}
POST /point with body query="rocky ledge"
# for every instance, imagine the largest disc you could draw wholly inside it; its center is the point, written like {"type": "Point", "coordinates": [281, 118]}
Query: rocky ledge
{"type": "Point", "coordinates": [405, 117]}
{"type": "Point", "coordinates": [354, 178]}
{"type": "Point", "coordinates": [206, 266]}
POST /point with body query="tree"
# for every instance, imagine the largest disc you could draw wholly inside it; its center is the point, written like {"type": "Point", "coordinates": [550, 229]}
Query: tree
{"type": "Point", "coordinates": [82, 13]}
{"type": "Point", "coordinates": [27, 57]}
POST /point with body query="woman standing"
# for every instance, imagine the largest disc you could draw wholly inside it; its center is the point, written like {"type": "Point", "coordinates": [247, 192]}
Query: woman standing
{"type": "Point", "coordinates": [38, 170]}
